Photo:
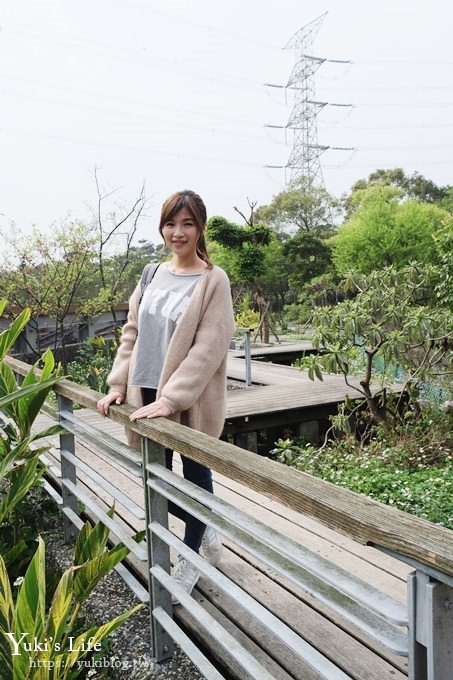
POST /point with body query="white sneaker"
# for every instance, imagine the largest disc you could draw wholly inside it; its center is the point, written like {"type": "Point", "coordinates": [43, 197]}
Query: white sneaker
{"type": "Point", "coordinates": [185, 574]}
{"type": "Point", "coordinates": [211, 546]}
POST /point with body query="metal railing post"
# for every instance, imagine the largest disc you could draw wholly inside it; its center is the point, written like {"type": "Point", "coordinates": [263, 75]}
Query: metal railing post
{"type": "Point", "coordinates": [430, 610]}
{"type": "Point", "coordinates": [248, 357]}
{"type": "Point", "coordinates": [68, 470]}
{"type": "Point", "coordinates": [156, 507]}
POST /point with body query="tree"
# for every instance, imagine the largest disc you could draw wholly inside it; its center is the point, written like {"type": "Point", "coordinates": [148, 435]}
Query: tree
{"type": "Point", "coordinates": [446, 201]}
{"type": "Point", "coordinates": [393, 318]}
{"type": "Point", "coordinates": [138, 256]}
{"type": "Point", "coordinates": [275, 275]}
{"type": "Point", "coordinates": [307, 256]}
{"type": "Point", "coordinates": [384, 232]}
{"type": "Point", "coordinates": [302, 206]}
{"type": "Point", "coordinates": [116, 230]}
{"type": "Point", "coordinates": [248, 246]}
{"type": "Point", "coordinates": [443, 239]}
{"type": "Point", "coordinates": [414, 186]}
{"type": "Point", "coordinates": [46, 273]}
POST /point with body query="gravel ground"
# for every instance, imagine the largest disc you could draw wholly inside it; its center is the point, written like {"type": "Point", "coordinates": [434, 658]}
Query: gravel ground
{"type": "Point", "coordinates": [129, 646]}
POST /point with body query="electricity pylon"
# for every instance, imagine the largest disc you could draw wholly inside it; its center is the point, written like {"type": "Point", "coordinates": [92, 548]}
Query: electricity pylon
{"type": "Point", "coordinates": [306, 151]}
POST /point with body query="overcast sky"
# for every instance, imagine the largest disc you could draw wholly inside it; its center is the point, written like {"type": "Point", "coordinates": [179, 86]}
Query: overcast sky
{"type": "Point", "coordinates": [171, 93]}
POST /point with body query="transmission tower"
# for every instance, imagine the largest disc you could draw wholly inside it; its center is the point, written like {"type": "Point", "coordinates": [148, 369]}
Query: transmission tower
{"type": "Point", "coordinates": [306, 151]}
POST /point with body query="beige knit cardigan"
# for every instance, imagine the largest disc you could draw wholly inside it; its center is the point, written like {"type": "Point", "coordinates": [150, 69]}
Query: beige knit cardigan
{"type": "Point", "coordinates": [193, 379]}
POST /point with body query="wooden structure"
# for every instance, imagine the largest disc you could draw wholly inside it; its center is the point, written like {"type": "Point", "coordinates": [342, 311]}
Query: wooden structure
{"type": "Point", "coordinates": [42, 332]}
{"type": "Point", "coordinates": [292, 598]}
{"type": "Point", "coordinates": [284, 353]}
{"type": "Point", "coordinates": [281, 397]}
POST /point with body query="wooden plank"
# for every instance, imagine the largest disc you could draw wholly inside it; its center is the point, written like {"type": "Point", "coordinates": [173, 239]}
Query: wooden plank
{"type": "Point", "coordinates": [266, 374]}
{"type": "Point", "coordinates": [358, 658]}
{"type": "Point", "coordinates": [256, 506]}
{"type": "Point", "coordinates": [276, 398]}
{"type": "Point", "coordinates": [282, 348]}
{"type": "Point", "coordinates": [361, 561]}
{"type": "Point", "coordinates": [327, 542]}
{"type": "Point", "coordinates": [208, 643]}
{"type": "Point", "coordinates": [382, 571]}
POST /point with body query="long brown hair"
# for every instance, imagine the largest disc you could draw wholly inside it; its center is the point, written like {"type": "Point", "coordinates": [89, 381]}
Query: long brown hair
{"type": "Point", "coordinates": [194, 204]}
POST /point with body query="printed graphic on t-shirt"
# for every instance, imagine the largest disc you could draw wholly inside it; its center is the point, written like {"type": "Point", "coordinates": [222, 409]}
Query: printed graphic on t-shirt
{"type": "Point", "coordinates": [173, 304]}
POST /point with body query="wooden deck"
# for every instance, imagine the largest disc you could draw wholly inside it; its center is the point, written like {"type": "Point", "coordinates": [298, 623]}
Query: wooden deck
{"type": "Point", "coordinates": [281, 395]}
{"type": "Point", "coordinates": [283, 353]}
{"type": "Point", "coordinates": [349, 648]}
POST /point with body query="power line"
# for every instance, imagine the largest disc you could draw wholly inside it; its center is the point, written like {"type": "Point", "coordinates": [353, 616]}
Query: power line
{"type": "Point", "coordinates": [140, 116]}
{"type": "Point", "coordinates": [248, 39]}
{"type": "Point", "coordinates": [199, 113]}
{"type": "Point", "coordinates": [124, 147]}
{"type": "Point", "coordinates": [144, 56]}
{"type": "Point", "coordinates": [138, 102]}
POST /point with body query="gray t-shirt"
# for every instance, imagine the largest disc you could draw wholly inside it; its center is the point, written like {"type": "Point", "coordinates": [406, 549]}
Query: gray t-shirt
{"type": "Point", "coordinates": [163, 302]}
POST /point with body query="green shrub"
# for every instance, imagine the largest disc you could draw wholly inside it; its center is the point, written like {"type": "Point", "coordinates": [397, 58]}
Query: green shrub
{"type": "Point", "coordinates": [410, 469]}
{"type": "Point", "coordinates": [93, 363]}
{"type": "Point", "coordinates": [246, 316]}
{"type": "Point", "coordinates": [20, 466]}
{"type": "Point", "coordinates": [24, 618]}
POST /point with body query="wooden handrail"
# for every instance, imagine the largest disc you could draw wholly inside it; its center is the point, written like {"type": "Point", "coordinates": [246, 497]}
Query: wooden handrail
{"type": "Point", "coordinates": [358, 517]}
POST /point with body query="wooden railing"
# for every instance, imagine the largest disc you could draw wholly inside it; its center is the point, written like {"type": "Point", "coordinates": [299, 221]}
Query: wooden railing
{"type": "Point", "coordinates": [426, 547]}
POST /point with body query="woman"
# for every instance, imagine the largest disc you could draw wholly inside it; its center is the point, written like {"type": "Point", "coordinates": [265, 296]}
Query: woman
{"type": "Point", "coordinates": [171, 361]}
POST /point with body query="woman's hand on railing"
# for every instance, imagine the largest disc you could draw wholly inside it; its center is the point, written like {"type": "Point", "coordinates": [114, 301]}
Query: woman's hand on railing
{"type": "Point", "coordinates": [104, 403]}
{"type": "Point", "coordinates": [153, 410]}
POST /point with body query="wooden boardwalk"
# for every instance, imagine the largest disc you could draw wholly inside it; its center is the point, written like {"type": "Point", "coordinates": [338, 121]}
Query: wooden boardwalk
{"type": "Point", "coordinates": [279, 388]}
{"type": "Point", "coordinates": [306, 616]}
{"type": "Point", "coordinates": [282, 395]}
{"type": "Point", "coordinates": [283, 353]}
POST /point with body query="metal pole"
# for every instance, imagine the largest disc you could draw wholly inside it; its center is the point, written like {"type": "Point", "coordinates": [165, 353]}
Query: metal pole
{"type": "Point", "coordinates": [248, 357]}
{"type": "Point", "coordinates": [430, 609]}
{"type": "Point", "coordinates": [156, 507]}
{"type": "Point", "coordinates": [68, 469]}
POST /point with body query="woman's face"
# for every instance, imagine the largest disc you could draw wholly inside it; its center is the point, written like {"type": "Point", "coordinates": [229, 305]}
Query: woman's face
{"type": "Point", "coordinates": [181, 233]}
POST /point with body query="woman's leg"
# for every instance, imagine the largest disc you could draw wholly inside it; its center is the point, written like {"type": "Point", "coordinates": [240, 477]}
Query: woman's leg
{"type": "Point", "coordinates": [202, 477]}
{"type": "Point", "coordinates": [193, 472]}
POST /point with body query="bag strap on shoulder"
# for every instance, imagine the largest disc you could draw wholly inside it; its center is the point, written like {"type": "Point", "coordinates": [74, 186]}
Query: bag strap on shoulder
{"type": "Point", "coordinates": [147, 275]}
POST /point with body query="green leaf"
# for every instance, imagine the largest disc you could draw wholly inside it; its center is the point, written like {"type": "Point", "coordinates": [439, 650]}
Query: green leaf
{"type": "Point", "coordinates": [8, 463]}
{"type": "Point", "coordinates": [8, 385]}
{"type": "Point", "coordinates": [8, 337]}
{"type": "Point", "coordinates": [318, 372]}
{"type": "Point", "coordinates": [91, 541]}
{"type": "Point", "coordinates": [92, 571]}
{"type": "Point", "coordinates": [26, 477]}
{"type": "Point", "coordinates": [30, 611]}
{"type": "Point", "coordinates": [96, 635]}
{"type": "Point", "coordinates": [61, 607]}
{"type": "Point", "coordinates": [6, 621]}
{"type": "Point", "coordinates": [139, 536]}
{"type": "Point", "coordinates": [23, 392]}
{"type": "Point", "coordinates": [50, 431]}
{"type": "Point", "coordinates": [17, 555]}
{"type": "Point", "coordinates": [81, 545]}
{"type": "Point", "coordinates": [7, 379]}
{"type": "Point", "coordinates": [29, 406]}
{"type": "Point", "coordinates": [30, 606]}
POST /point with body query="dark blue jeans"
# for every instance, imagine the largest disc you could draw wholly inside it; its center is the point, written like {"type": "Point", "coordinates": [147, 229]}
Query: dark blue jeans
{"type": "Point", "coordinates": [193, 472]}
